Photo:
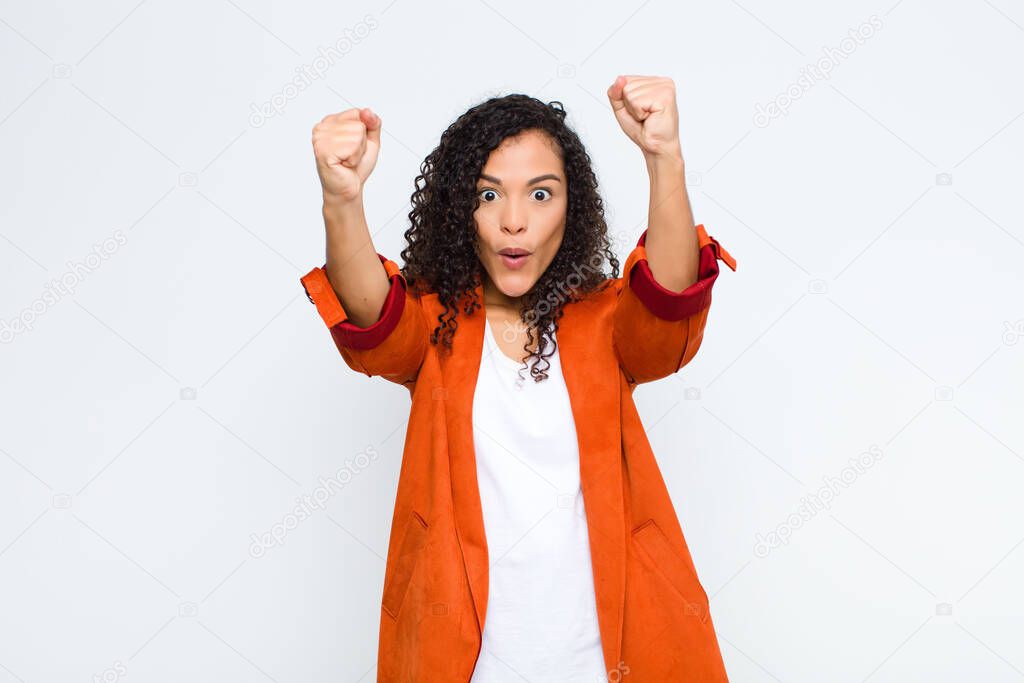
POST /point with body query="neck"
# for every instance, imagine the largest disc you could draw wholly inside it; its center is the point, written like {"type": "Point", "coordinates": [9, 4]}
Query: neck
{"type": "Point", "coordinates": [495, 298]}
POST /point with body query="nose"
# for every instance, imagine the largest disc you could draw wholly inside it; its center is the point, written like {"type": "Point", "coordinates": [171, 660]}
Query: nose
{"type": "Point", "coordinates": [513, 218]}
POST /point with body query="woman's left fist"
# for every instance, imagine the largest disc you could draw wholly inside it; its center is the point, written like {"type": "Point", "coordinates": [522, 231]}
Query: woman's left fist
{"type": "Point", "coordinates": [645, 107]}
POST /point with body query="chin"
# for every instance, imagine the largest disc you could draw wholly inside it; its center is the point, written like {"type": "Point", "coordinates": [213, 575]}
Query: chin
{"type": "Point", "coordinates": [515, 285]}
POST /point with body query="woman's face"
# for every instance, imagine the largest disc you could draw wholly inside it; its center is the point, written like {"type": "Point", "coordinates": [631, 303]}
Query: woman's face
{"type": "Point", "coordinates": [523, 200]}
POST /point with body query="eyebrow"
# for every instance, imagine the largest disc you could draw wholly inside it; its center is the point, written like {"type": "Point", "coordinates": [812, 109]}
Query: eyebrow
{"type": "Point", "coordinates": [548, 176]}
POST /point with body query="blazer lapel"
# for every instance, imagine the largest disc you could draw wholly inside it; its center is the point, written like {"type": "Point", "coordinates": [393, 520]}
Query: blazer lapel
{"type": "Point", "coordinates": [460, 369]}
{"type": "Point", "coordinates": [594, 399]}
{"type": "Point", "coordinates": [592, 380]}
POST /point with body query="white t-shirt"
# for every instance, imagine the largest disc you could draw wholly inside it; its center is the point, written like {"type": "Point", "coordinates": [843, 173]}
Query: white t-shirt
{"type": "Point", "coordinates": [541, 623]}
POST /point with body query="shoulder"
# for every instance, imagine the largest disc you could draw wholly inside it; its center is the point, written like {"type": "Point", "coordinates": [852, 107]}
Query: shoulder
{"type": "Point", "coordinates": [603, 295]}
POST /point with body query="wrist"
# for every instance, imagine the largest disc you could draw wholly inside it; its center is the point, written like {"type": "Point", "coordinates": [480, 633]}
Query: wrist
{"type": "Point", "coordinates": [337, 204]}
{"type": "Point", "coordinates": [666, 168]}
{"type": "Point", "coordinates": [341, 212]}
{"type": "Point", "coordinates": [669, 159]}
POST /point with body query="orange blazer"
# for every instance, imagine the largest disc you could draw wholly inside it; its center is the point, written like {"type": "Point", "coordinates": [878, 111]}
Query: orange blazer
{"type": "Point", "coordinates": [653, 612]}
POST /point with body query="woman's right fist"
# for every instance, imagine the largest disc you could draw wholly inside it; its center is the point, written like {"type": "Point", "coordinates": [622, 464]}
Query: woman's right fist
{"type": "Point", "coordinates": [346, 146]}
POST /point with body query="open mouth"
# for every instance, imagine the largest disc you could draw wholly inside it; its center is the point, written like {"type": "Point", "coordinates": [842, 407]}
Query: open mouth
{"type": "Point", "coordinates": [514, 258]}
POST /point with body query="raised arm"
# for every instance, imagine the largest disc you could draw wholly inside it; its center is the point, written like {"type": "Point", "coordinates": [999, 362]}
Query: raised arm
{"type": "Point", "coordinates": [645, 107]}
{"type": "Point", "coordinates": [361, 295]}
{"type": "Point", "coordinates": [346, 147]}
{"type": "Point", "coordinates": [665, 291]}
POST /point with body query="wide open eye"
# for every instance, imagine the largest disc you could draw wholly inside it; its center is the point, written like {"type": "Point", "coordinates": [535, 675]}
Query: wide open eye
{"type": "Point", "coordinates": [540, 189]}
{"type": "Point", "coordinates": [487, 195]}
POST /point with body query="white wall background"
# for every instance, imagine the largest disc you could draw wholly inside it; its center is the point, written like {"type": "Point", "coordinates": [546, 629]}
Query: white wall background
{"type": "Point", "coordinates": [181, 393]}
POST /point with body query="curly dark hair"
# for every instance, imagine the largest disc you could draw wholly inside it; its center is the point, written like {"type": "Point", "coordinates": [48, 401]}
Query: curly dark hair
{"type": "Point", "coordinates": [441, 253]}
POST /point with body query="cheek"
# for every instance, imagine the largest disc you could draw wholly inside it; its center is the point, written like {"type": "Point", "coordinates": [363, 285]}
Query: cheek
{"type": "Point", "coordinates": [486, 217]}
{"type": "Point", "coordinates": [484, 237]}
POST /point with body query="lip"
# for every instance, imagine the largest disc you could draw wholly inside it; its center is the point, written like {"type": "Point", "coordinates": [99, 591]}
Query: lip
{"type": "Point", "coordinates": [514, 258]}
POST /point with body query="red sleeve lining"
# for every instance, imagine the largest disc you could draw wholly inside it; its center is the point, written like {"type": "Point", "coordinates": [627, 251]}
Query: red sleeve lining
{"type": "Point", "coordinates": [665, 303]}
{"type": "Point", "coordinates": [350, 335]}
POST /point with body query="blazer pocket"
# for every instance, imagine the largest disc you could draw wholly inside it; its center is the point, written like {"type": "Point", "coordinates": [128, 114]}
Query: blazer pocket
{"type": "Point", "coordinates": [671, 566]}
{"type": "Point", "coordinates": [405, 563]}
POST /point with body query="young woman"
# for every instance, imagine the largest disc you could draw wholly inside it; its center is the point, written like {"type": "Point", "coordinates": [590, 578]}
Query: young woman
{"type": "Point", "coordinates": [533, 537]}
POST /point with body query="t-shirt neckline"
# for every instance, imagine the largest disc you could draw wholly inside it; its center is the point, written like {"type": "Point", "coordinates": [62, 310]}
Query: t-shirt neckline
{"type": "Point", "coordinates": [496, 350]}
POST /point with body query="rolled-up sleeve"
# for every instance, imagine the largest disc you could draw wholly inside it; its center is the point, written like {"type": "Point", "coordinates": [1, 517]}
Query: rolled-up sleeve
{"type": "Point", "coordinates": [394, 346]}
{"type": "Point", "coordinates": [657, 331]}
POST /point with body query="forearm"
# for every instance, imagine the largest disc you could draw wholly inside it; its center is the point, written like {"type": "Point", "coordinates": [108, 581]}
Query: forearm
{"type": "Point", "coordinates": [671, 242]}
{"type": "Point", "coordinates": [353, 268]}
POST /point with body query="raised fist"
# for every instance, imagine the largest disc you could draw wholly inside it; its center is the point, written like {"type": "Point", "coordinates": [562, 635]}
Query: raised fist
{"type": "Point", "coordinates": [645, 107]}
{"type": "Point", "coordinates": [346, 146]}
